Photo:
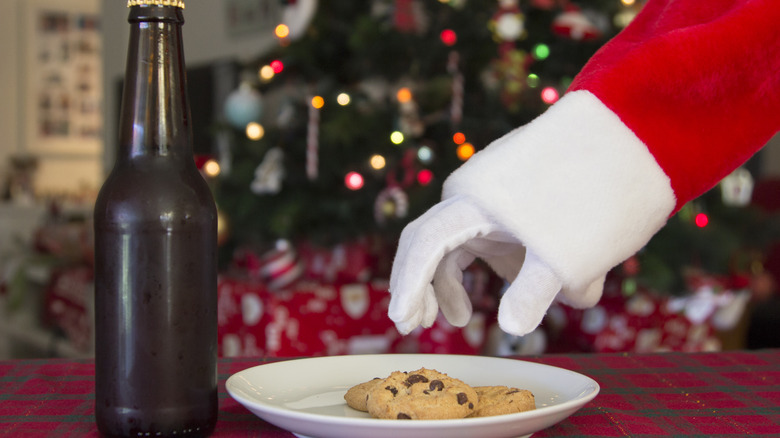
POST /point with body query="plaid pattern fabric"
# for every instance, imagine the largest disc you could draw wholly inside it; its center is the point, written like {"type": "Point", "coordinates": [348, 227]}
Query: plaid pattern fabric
{"type": "Point", "coordinates": [728, 394]}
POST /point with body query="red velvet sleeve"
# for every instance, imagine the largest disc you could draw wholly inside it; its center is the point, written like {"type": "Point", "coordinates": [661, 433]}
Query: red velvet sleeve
{"type": "Point", "coordinates": [697, 81]}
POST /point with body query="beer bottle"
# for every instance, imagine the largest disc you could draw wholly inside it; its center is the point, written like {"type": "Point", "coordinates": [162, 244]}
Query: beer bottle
{"type": "Point", "coordinates": [155, 250]}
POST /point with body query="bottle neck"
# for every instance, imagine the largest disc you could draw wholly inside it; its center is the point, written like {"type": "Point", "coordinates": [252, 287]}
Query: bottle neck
{"type": "Point", "coordinates": [155, 114]}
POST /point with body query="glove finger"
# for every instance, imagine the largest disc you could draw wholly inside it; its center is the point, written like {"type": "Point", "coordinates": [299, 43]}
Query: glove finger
{"type": "Point", "coordinates": [423, 243]}
{"type": "Point", "coordinates": [420, 314]}
{"type": "Point", "coordinates": [527, 299]}
{"type": "Point", "coordinates": [430, 308]}
{"type": "Point", "coordinates": [584, 298]}
{"type": "Point", "coordinates": [453, 299]}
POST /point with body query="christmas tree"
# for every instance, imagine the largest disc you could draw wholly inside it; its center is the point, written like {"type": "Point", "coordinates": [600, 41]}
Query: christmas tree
{"type": "Point", "coordinates": [369, 110]}
{"type": "Point", "coordinates": [377, 102]}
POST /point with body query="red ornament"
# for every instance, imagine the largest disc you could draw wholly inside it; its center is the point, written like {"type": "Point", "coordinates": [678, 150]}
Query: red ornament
{"type": "Point", "coordinates": [572, 23]}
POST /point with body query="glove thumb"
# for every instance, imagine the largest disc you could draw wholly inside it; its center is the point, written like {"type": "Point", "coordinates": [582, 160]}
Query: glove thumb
{"type": "Point", "coordinates": [528, 297]}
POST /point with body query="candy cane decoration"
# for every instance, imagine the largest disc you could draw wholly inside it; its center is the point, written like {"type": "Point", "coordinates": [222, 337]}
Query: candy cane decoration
{"type": "Point", "coordinates": [312, 141]}
{"type": "Point", "coordinates": [456, 109]}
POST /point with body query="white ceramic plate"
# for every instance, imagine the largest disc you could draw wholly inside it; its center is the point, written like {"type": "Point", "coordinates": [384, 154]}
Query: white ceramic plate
{"type": "Point", "coordinates": [306, 396]}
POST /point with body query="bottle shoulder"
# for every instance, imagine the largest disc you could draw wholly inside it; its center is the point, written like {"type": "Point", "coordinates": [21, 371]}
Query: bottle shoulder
{"type": "Point", "coordinates": [154, 192]}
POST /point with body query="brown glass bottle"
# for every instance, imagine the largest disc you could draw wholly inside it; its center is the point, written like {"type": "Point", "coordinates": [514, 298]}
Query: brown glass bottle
{"type": "Point", "coordinates": [155, 252]}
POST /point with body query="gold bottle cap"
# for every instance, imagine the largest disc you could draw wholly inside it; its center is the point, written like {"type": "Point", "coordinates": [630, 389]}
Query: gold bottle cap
{"type": "Point", "coordinates": [174, 3]}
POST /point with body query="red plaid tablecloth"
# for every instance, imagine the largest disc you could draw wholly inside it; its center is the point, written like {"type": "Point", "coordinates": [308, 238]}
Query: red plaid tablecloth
{"type": "Point", "coordinates": [642, 395]}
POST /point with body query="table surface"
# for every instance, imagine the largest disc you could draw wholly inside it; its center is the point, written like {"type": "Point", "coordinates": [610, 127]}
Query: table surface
{"type": "Point", "coordinates": [733, 393]}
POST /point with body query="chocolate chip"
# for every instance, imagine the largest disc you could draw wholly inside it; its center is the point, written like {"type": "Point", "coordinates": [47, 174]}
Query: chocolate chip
{"type": "Point", "coordinates": [426, 392]}
{"type": "Point", "coordinates": [513, 391]}
{"type": "Point", "coordinates": [471, 405]}
{"type": "Point", "coordinates": [436, 385]}
{"type": "Point", "coordinates": [392, 389]}
{"type": "Point", "coordinates": [402, 416]}
{"type": "Point", "coordinates": [416, 378]}
{"type": "Point", "coordinates": [462, 398]}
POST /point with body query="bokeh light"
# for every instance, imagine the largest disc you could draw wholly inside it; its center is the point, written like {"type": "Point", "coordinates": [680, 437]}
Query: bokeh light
{"type": "Point", "coordinates": [458, 138]}
{"type": "Point", "coordinates": [532, 80]}
{"type": "Point", "coordinates": [425, 154]}
{"type": "Point", "coordinates": [378, 162]}
{"type": "Point", "coordinates": [343, 99]}
{"type": "Point", "coordinates": [465, 151]}
{"type": "Point", "coordinates": [701, 220]}
{"type": "Point", "coordinates": [277, 66]}
{"type": "Point", "coordinates": [266, 73]}
{"type": "Point", "coordinates": [211, 168]}
{"type": "Point", "coordinates": [254, 131]}
{"type": "Point", "coordinates": [317, 102]}
{"type": "Point", "coordinates": [448, 37]}
{"type": "Point", "coordinates": [397, 137]}
{"type": "Point", "coordinates": [541, 51]}
{"type": "Point", "coordinates": [549, 95]}
{"type": "Point", "coordinates": [353, 181]}
{"type": "Point", "coordinates": [282, 31]}
{"type": "Point", "coordinates": [424, 177]}
{"type": "Point", "coordinates": [404, 95]}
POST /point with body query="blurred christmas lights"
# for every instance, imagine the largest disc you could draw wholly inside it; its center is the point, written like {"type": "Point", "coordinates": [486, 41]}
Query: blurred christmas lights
{"type": "Point", "coordinates": [378, 162]}
{"type": "Point", "coordinates": [458, 138]}
{"type": "Point", "coordinates": [343, 99]}
{"type": "Point", "coordinates": [397, 137]}
{"type": "Point", "coordinates": [353, 181]}
{"type": "Point", "coordinates": [424, 177]}
{"type": "Point", "coordinates": [448, 37]}
{"type": "Point", "coordinates": [254, 131]}
{"type": "Point", "coordinates": [282, 31]}
{"type": "Point", "coordinates": [549, 95]}
{"type": "Point", "coordinates": [465, 151]}
{"type": "Point", "coordinates": [403, 95]}
{"type": "Point", "coordinates": [317, 102]}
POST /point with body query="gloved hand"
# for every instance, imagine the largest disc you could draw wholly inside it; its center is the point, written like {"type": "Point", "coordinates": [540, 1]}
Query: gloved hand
{"type": "Point", "coordinates": [550, 210]}
{"type": "Point", "coordinates": [436, 248]}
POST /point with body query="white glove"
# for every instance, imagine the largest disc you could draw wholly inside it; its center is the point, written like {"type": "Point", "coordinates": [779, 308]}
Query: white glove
{"type": "Point", "coordinates": [551, 208]}
{"type": "Point", "coordinates": [454, 233]}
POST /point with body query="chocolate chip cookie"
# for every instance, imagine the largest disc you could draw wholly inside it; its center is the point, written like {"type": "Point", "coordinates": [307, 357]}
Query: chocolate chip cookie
{"type": "Point", "coordinates": [357, 395]}
{"type": "Point", "coordinates": [500, 400]}
{"type": "Point", "coordinates": [421, 395]}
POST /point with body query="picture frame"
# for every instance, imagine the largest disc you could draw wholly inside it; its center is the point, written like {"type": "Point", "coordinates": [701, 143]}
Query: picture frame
{"type": "Point", "coordinates": [61, 78]}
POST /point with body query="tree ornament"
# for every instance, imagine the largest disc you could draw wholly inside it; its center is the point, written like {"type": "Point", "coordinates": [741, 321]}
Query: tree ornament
{"type": "Point", "coordinates": [312, 140]}
{"type": "Point", "coordinates": [409, 16]}
{"type": "Point", "coordinates": [737, 188]}
{"type": "Point", "coordinates": [574, 24]}
{"type": "Point", "coordinates": [392, 202]}
{"type": "Point", "coordinates": [243, 105]}
{"type": "Point", "coordinates": [269, 174]}
{"type": "Point", "coordinates": [456, 108]}
{"type": "Point", "coordinates": [511, 70]}
{"type": "Point", "coordinates": [507, 24]}
{"type": "Point", "coordinates": [280, 267]}
{"type": "Point", "coordinates": [409, 122]}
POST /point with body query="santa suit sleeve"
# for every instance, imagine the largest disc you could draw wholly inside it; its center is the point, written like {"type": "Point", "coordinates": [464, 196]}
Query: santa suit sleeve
{"type": "Point", "coordinates": [660, 114]}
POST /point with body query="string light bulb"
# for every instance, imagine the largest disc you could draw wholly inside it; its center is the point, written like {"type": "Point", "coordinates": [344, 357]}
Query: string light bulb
{"type": "Point", "coordinates": [254, 131]}
{"type": "Point", "coordinates": [354, 181]}
{"type": "Point", "coordinates": [465, 151]}
{"type": "Point", "coordinates": [378, 162]}
{"type": "Point", "coordinates": [282, 31]}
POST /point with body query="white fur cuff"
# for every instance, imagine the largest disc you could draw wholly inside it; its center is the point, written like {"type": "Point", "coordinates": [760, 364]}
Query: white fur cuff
{"type": "Point", "coordinates": [575, 186]}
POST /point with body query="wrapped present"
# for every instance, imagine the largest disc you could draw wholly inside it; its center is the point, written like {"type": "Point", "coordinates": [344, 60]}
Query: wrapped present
{"type": "Point", "coordinates": [645, 321]}
{"type": "Point", "coordinates": [67, 305]}
{"type": "Point", "coordinates": [315, 319]}
{"type": "Point", "coordinates": [310, 320]}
